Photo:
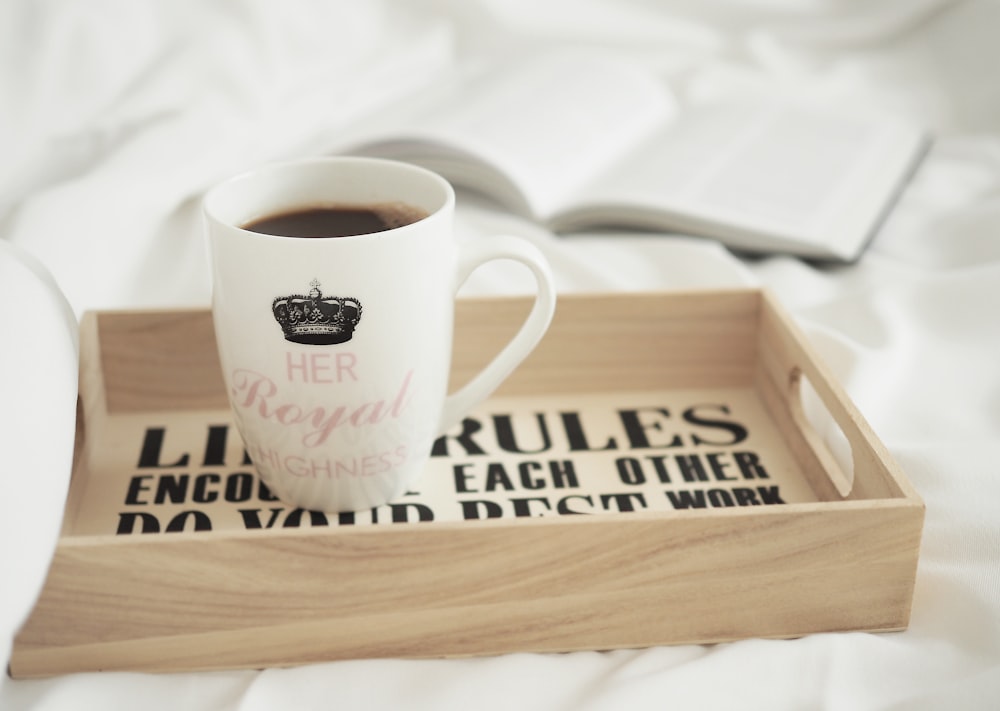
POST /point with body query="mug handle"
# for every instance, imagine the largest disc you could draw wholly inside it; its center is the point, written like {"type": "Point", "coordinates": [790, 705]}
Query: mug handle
{"type": "Point", "coordinates": [471, 256]}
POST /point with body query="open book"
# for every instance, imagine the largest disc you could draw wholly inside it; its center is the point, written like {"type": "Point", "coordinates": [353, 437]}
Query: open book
{"type": "Point", "coordinates": [580, 141]}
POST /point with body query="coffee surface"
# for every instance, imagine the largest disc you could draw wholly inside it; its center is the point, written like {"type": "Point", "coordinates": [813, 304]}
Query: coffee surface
{"type": "Point", "coordinates": [337, 221]}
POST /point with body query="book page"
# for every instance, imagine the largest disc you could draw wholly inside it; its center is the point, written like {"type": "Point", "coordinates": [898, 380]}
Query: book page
{"type": "Point", "coordinates": [777, 174]}
{"type": "Point", "coordinates": [549, 124]}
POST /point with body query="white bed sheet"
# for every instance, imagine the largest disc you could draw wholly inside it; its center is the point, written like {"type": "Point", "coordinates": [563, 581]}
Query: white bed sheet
{"type": "Point", "coordinates": [115, 116]}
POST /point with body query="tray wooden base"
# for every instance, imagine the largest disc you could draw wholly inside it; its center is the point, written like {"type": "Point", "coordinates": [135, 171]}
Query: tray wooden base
{"type": "Point", "coordinates": [648, 476]}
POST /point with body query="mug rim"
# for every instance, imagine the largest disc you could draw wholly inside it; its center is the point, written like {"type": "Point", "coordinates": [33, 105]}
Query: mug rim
{"type": "Point", "coordinates": [214, 195]}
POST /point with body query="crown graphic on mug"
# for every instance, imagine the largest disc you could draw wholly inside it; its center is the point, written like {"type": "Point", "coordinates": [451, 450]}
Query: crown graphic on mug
{"type": "Point", "coordinates": [317, 319]}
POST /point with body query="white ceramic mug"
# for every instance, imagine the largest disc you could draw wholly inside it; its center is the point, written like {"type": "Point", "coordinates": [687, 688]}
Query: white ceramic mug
{"type": "Point", "coordinates": [336, 350]}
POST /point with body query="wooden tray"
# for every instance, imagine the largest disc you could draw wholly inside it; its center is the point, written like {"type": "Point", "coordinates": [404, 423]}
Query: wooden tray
{"type": "Point", "coordinates": [649, 476]}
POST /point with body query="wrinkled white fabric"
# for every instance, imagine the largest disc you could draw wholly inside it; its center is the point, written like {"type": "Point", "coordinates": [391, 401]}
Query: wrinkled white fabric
{"type": "Point", "coordinates": [38, 382]}
{"type": "Point", "coordinates": [116, 115]}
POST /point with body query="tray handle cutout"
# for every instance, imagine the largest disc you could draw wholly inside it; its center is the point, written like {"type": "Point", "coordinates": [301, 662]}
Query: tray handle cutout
{"type": "Point", "coordinates": [821, 431]}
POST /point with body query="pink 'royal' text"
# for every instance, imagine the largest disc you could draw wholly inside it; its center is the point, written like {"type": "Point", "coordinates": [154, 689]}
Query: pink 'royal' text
{"type": "Point", "coordinates": [256, 393]}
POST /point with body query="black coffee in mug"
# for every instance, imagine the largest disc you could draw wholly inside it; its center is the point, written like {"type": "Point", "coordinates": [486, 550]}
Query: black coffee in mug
{"type": "Point", "coordinates": [337, 220]}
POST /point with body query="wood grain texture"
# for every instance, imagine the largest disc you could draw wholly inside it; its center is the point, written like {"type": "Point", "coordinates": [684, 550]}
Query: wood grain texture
{"type": "Point", "coordinates": [616, 342]}
{"type": "Point", "coordinates": [159, 360]}
{"type": "Point", "coordinates": [786, 358]}
{"type": "Point", "coordinates": [283, 597]}
{"type": "Point", "coordinates": [595, 583]}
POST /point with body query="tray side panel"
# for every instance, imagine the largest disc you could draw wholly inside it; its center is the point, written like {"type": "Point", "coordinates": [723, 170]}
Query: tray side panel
{"type": "Point", "coordinates": [166, 360]}
{"type": "Point", "coordinates": [616, 342]}
{"type": "Point", "coordinates": [594, 583]}
{"type": "Point", "coordinates": [156, 361]}
{"type": "Point", "coordinates": [785, 358]}
{"type": "Point", "coordinates": [91, 412]}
